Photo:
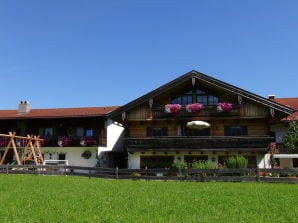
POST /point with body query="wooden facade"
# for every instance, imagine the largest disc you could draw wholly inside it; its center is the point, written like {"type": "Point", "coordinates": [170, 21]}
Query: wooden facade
{"type": "Point", "coordinates": [150, 131]}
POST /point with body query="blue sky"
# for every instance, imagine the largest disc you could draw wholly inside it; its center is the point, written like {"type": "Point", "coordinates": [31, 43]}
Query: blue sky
{"type": "Point", "coordinates": [74, 53]}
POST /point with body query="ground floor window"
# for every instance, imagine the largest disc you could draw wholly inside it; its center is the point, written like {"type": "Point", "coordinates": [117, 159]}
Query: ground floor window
{"type": "Point", "coordinates": [190, 159]}
{"type": "Point", "coordinates": [252, 161]}
{"type": "Point", "coordinates": [62, 156]}
{"type": "Point", "coordinates": [157, 161]}
{"type": "Point", "coordinates": [295, 162]}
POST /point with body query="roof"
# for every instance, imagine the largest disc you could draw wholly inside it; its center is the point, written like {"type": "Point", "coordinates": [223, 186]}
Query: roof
{"type": "Point", "coordinates": [212, 82]}
{"type": "Point", "coordinates": [57, 113]}
{"type": "Point", "coordinates": [292, 103]}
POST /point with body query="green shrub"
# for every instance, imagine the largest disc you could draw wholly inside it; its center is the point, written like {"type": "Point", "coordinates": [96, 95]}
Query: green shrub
{"type": "Point", "coordinates": [179, 164]}
{"type": "Point", "coordinates": [203, 164]}
{"type": "Point", "coordinates": [236, 162]}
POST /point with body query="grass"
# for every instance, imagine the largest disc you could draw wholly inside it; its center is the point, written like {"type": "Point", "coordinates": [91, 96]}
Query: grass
{"type": "Point", "coordinates": [29, 198]}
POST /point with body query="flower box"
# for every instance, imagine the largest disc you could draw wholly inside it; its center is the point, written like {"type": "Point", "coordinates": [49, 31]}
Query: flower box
{"type": "Point", "coordinates": [64, 141]}
{"type": "Point", "coordinates": [224, 107]}
{"type": "Point", "coordinates": [196, 107]}
{"type": "Point", "coordinates": [172, 108]}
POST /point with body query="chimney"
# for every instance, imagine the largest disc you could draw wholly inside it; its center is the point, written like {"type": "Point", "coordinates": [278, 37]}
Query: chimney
{"type": "Point", "coordinates": [271, 96]}
{"type": "Point", "coordinates": [24, 107]}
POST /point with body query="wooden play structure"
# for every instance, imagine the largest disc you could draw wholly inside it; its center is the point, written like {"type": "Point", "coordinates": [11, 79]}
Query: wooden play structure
{"type": "Point", "coordinates": [28, 148]}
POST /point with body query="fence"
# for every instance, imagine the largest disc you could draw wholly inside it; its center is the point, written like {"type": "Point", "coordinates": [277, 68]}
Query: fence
{"type": "Point", "coordinates": [200, 175]}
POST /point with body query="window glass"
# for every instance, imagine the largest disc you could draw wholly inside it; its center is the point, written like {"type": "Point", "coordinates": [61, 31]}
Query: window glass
{"type": "Point", "coordinates": [153, 131]}
{"type": "Point", "coordinates": [197, 94]}
{"type": "Point", "coordinates": [236, 130]}
{"type": "Point", "coordinates": [202, 99]}
{"type": "Point", "coordinates": [48, 132]}
{"type": "Point", "coordinates": [198, 132]}
{"type": "Point", "coordinates": [89, 132]}
{"type": "Point", "coordinates": [212, 100]}
{"type": "Point", "coordinates": [80, 131]}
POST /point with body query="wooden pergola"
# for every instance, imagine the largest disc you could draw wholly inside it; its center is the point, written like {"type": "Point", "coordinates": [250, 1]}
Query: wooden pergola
{"type": "Point", "coordinates": [30, 149]}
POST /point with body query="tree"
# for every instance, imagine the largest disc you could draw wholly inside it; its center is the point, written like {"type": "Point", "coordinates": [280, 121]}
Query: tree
{"type": "Point", "coordinates": [291, 138]}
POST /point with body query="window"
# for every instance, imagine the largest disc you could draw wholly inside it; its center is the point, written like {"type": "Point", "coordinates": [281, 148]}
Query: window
{"type": "Point", "coordinates": [157, 161]}
{"type": "Point", "coordinates": [89, 132]}
{"type": "Point", "coordinates": [295, 162]}
{"type": "Point", "coordinates": [198, 132]}
{"type": "Point", "coordinates": [196, 95]}
{"type": "Point", "coordinates": [190, 159]}
{"type": "Point", "coordinates": [62, 156]}
{"type": "Point", "coordinates": [47, 132]}
{"type": "Point", "coordinates": [251, 161]}
{"type": "Point", "coordinates": [153, 131]}
{"type": "Point", "coordinates": [236, 130]}
{"type": "Point", "coordinates": [80, 131]}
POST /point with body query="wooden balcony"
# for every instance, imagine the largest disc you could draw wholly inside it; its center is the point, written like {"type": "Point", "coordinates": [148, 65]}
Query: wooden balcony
{"type": "Point", "coordinates": [209, 143]}
{"type": "Point", "coordinates": [207, 111]}
{"type": "Point", "coordinates": [68, 141]}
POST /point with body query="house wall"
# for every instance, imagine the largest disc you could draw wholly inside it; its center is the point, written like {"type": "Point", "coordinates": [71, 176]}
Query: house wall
{"type": "Point", "coordinates": [72, 154]}
{"type": "Point", "coordinates": [255, 127]}
{"type": "Point", "coordinates": [286, 163]}
{"type": "Point", "coordinates": [114, 137]}
{"type": "Point", "coordinates": [115, 134]}
{"type": "Point", "coordinates": [134, 159]}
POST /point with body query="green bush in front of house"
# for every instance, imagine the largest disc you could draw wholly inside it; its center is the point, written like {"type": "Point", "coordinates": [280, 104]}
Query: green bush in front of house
{"type": "Point", "coordinates": [203, 164]}
{"type": "Point", "coordinates": [291, 138]}
{"type": "Point", "coordinates": [236, 162]}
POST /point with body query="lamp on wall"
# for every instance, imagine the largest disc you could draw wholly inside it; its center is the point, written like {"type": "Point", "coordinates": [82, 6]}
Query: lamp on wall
{"type": "Point", "coordinates": [239, 99]}
{"type": "Point", "coordinates": [193, 81]}
{"type": "Point", "coordinates": [123, 116]}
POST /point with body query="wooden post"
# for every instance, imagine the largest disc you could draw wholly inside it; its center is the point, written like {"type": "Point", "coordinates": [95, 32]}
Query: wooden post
{"type": "Point", "coordinates": [117, 173]}
{"type": "Point", "coordinates": [10, 145]}
{"type": "Point", "coordinates": [180, 173]}
{"type": "Point", "coordinates": [258, 174]}
{"type": "Point", "coordinates": [146, 172]}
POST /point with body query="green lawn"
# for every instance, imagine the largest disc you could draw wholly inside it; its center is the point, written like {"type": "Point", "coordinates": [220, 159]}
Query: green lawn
{"type": "Point", "coordinates": [28, 198]}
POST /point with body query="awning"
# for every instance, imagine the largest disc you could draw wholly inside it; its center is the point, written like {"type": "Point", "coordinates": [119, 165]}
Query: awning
{"type": "Point", "coordinates": [198, 124]}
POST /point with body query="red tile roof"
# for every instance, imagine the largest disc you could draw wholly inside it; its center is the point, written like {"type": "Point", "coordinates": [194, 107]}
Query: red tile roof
{"type": "Point", "coordinates": [57, 113]}
{"type": "Point", "coordinates": [292, 103]}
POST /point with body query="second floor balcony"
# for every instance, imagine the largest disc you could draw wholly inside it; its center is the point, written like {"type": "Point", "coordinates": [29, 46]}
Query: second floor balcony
{"type": "Point", "coordinates": [199, 143]}
{"type": "Point", "coordinates": [68, 141]}
{"type": "Point", "coordinates": [206, 111]}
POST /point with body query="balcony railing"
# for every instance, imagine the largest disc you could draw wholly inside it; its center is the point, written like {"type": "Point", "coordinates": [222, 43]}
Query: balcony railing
{"type": "Point", "coordinates": [207, 111]}
{"type": "Point", "coordinates": [67, 141]}
{"type": "Point", "coordinates": [209, 143]}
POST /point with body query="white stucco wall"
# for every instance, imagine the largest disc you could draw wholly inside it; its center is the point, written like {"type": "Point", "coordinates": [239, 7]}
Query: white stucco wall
{"type": "Point", "coordinates": [134, 161]}
{"type": "Point", "coordinates": [72, 154]}
{"type": "Point", "coordinates": [114, 141]}
{"type": "Point", "coordinates": [114, 136]}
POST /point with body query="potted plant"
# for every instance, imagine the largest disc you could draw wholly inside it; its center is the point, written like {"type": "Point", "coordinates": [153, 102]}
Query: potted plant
{"type": "Point", "coordinates": [196, 107]}
{"type": "Point", "coordinates": [224, 107]}
{"type": "Point", "coordinates": [172, 108]}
